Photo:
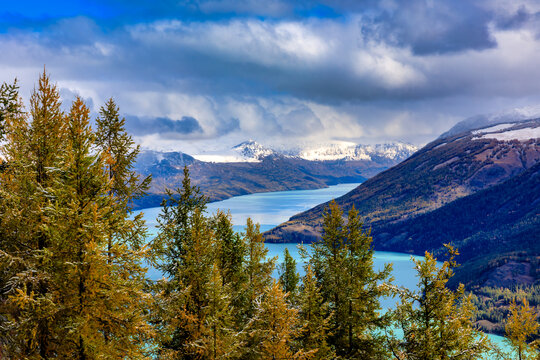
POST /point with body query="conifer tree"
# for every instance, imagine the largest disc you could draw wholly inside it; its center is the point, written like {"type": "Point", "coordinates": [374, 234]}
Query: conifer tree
{"type": "Point", "coordinates": [437, 322]}
{"type": "Point", "coordinates": [193, 302]}
{"type": "Point", "coordinates": [16, 257]}
{"type": "Point", "coordinates": [231, 251]}
{"type": "Point", "coordinates": [314, 318]}
{"type": "Point", "coordinates": [521, 325]}
{"type": "Point", "coordinates": [274, 326]}
{"type": "Point", "coordinates": [119, 152]}
{"type": "Point", "coordinates": [62, 298]}
{"type": "Point", "coordinates": [220, 340]}
{"type": "Point", "coordinates": [33, 151]}
{"type": "Point", "coordinates": [175, 226]}
{"type": "Point", "coordinates": [288, 276]}
{"type": "Point", "coordinates": [100, 301]}
{"type": "Point", "coordinates": [343, 265]}
{"type": "Point", "coordinates": [258, 267]}
{"type": "Point", "coordinates": [9, 104]}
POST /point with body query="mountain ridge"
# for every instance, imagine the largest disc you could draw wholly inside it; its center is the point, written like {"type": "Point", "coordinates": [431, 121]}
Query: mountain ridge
{"type": "Point", "coordinates": [443, 171]}
{"type": "Point", "coordinates": [253, 151]}
{"type": "Point", "coordinates": [261, 170]}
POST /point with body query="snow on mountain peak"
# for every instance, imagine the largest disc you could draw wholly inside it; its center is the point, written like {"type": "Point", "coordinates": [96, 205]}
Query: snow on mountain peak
{"type": "Point", "coordinates": [253, 150]}
{"type": "Point", "coordinates": [508, 116]}
{"type": "Point", "coordinates": [350, 151]}
{"type": "Point", "coordinates": [509, 132]}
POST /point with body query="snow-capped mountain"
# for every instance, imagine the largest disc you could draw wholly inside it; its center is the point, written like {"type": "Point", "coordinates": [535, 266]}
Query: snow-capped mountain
{"type": "Point", "coordinates": [252, 151]}
{"type": "Point", "coordinates": [520, 131]}
{"type": "Point", "coordinates": [252, 167]}
{"type": "Point", "coordinates": [508, 116]}
{"type": "Point", "coordinates": [351, 151]}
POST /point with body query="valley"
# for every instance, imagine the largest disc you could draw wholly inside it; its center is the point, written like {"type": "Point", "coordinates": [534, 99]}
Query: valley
{"type": "Point", "coordinates": [259, 169]}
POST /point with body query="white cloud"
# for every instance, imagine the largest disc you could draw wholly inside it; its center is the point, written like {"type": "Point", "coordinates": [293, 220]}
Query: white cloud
{"type": "Point", "coordinates": [293, 78]}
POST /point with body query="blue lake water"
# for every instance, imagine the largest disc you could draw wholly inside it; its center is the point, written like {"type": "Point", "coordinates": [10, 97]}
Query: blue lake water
{"type": "Point", "coordinates": [273, 208]}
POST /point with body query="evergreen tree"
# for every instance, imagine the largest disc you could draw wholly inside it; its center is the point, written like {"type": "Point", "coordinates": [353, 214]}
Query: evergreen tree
{"type": "Point", "coordinates": [33, 151]}
{"type": "Point", "coordinates": [100, 301]}
{"type": "Point", "coordinates": [314, 318]}
{"type": "Point", "coordinates": [522, 324]}
{"type": "Point", "coordinates": [274, 326]}
{"type": "Point", "coordinates": [60, 298]}
{"type": "Point", "coordinates": [231, 249]}
{"type": "Point", "coordinates": [343, 265]}
{"type": "Point", "coordinates": [258, 268]}
{"type": "Point", "coordinates": [119, 152]}
{"type": "Point", "coordinates": [288, 276]}
{"type": "Point", "coordinates": [9, 104]}
{"type": "Point", "coordinates": [437, 322]}
{"type": "Point", "coordinates": [193, 315]}
{"type": "Point", "coordinates": [220, 340]}
{"type": "Point", "coordinates": [184, 295]}
{"type": "Point", "coordinates": [175, 226]}
{"type": "Point", "coordinates": [15, 256]}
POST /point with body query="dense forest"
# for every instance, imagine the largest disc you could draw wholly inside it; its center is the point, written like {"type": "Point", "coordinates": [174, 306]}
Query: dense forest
{"type": "Point", "coordinates": [73, 264]}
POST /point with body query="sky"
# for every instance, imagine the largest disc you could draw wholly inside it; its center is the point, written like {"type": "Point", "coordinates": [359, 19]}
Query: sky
{"type": "Point", "coordinates": [196, 76]}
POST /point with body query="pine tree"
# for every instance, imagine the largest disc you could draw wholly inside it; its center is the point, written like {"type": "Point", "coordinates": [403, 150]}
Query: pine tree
{"type": "Point", "coordinates": [274, 326]}
{"type": "Point", "coordinates": [193, 300]}
{"type": "Point", "coordinates": [119, 152]}
{"type": "Point", "coordinates": [100, 301]}
{"type": "Point", "coordinates": [258, 268]}
{"type": "Point", "coordinates": [175, 226]}
{"type": "Point", "coordinates": [231, 251]}
{"type": "Point", "coordinates": [314, 318]}
{"type": "Point", "coordinates": [9, 104]}
{"type": "Point", "coordinates": [437, 322]}
{"type": "Point", "coordinates": [61, 298]}
{"type": "Point", "coordinates": [34, 147]}
{"type": "Point", "coordinates": [220, 340]}
{"type": "Point", "coordinates": [342, 262]}
{"type": "Point", "coordinates": [521, 325]}
{"type": "Point", "coordinates": [363, 289]}
{"type": "Point", "coordinates": [288, 276]}
{"type": "Point", "coordinates": [15, 256]}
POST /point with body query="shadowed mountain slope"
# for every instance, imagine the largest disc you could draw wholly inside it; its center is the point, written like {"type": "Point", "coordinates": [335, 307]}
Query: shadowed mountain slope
{"type": "Point", "coordinates": [441, 172]}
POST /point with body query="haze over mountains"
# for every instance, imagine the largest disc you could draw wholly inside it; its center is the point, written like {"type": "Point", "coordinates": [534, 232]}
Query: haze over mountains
{"type": "Point", "coordinates": [250, 167]}
{"type": "Point", "coordinates": [477, 189]}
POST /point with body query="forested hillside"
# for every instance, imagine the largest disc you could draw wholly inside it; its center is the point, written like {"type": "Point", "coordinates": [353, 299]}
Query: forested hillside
{"type": "Point", "coordinates": [439, 173]}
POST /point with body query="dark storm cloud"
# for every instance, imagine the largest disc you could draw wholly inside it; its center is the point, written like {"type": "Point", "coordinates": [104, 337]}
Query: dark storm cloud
{"type": "Point", "coordinates": [361, 57]}
{"type": "Point", "coordinates": [516, 20]}
{"type": "Point", "coordinates": [249, 65]}
{"type": "Point", "coordinates": [227, 126]}
{"type": "Point", "coordinates": [162, 125]}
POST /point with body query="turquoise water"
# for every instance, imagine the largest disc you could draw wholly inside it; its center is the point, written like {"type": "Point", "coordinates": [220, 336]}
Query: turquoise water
{"type": "Point", "coordinates": [271, 209]}
{"type": "Point", "coordinates": [267, 209]}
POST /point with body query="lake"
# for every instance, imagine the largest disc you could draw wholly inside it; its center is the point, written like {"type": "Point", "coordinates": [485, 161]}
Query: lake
{"type": "Point", "coordinates": [273, 208]}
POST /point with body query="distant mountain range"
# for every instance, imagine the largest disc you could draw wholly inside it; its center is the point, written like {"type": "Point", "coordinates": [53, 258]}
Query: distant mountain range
{"type": "Point", "coordinates": [477, 189]}
{"type": "Point", "coordinates": [250, 167]}
{"type": "Point", "coordinates": [252, 151]}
